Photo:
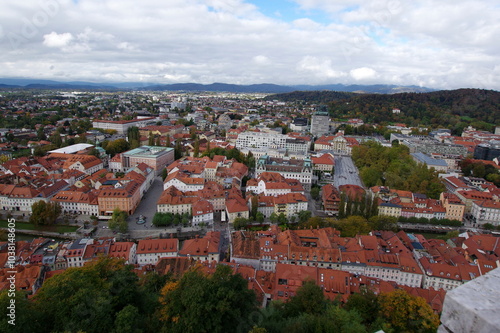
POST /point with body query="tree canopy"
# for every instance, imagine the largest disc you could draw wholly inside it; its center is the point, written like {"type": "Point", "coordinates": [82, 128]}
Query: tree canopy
{"type": "Point", "coordinates": [118, 221]}
{"type": "Point", "coordinates": [88, 298]}
{"type": "Point", "coordinates": [45, 213]}
{"type": "Point", "coordinates": [201, 303]}
{"type": "Point", "coordinates": [395, 168]}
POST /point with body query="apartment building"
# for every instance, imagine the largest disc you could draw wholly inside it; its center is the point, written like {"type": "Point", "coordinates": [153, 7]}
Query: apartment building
{"type": "Point", "coordinates": [261, 140]}
{"type": "Point", "coordinates": [486, 211]}
{"type": "Point", "coordinates": [126, 198]}
{"type": "Point", "coordinates": [78, 202]}
{"type": "Point", "coordinates": [455, 208]}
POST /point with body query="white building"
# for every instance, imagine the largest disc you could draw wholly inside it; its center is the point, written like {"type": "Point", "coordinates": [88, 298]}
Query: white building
{"type": "Point", "coordinates": [300, 170]}
{"type": "Point", "coordinates": [486, 211]}
{"type": "Point", "coordinates": [121, 126]}
{"type": "Point", "coordinates": [76, 202]}
{"type": "Point", "coordinates": [203, 212]}
{"type": "Point", "coordinates": [183, 184]}
{"type": "Point", "coordinates": [149, 251]}
{"type": "Point", "coordinates": [261, 140]}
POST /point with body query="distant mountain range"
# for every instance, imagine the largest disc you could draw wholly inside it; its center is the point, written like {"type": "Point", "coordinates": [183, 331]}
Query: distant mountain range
{"type": "Point", "coordinates": [15, 83]}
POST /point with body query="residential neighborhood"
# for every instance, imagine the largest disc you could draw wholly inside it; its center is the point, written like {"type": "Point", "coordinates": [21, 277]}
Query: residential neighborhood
{"type": "Point", "coordinates": [168, 182]}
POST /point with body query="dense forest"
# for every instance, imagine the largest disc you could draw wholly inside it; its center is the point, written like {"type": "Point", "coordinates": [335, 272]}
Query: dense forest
{"type": "Point", "coordinates": [312, 97]}
{"type": "Point", "coordinates": [454, 109]}
{"type": "Point", "coordinates": [107, 296]}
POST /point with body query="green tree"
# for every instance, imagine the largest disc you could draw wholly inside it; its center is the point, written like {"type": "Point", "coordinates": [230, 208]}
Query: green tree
{"type": "Point", "coordinates": [282, 218]}
{"type": "Point", "coordinates": [309, 299]}
{"type": "Point", "coordinates": [250, 160]}
{"type": "Point", "coordinates": [178, 149]}
{"type": "Point", "coordinates": [304, 215]}
{"type": "Point", "coordinates": [117, 146]}
{"type": "Point", "coordinates": [196, 148]}
{"type": "Point", "coordinates": [38, 151]}
{"type": "Point", "coordinates": [315, 192]}
{"type": "Point", "coordinates": [94, 152]}
{"type": "Point", "coordinates": [254, 206]}
{"type": "Point", "coordinates": [201, 303]}
{"type": "Point", "coordinates": [342, 206]}
{"type": "Point", "coordinates": [56, 139]}
{"type": "Point", "coordinates": [118, 221]}
{"type": "Point", "coordinates": [163, 219]}
{"type": "Point", "coordinates": [87, 298]}
{"type": "Point", "coordinates": [313, 222]}
{"type": "Point", "coordinates": [274, 218]}
{"type": "Point", "coordinates": [352, 226]}
{"type": "Point", "coordinates": [133, 134]}
{"type": "Point", "coordinates": [128, 320]}
{"type": "Point", "coordinates": [192, 132]}
{"type": "Point", "coordinates": [366, 304]}
{"type": "Point", "coordinates": [383, 223]}
{"type": "Point", "coordinates": [259, 217]}
{"type": "Point", "coordinates": [25, 317]}
{"type": "Point", "coordinates": [488, 226]}
{"type": "Point", "coordinates": [151, 139]}
{"type": "Point", "coordinates": [45, 213]}
{"type": "Point", "coordinates": [240, 223]}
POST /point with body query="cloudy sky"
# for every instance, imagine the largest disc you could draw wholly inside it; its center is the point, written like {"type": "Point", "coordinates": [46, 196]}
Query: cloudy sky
{"type": "Point", "coordinates": [439, 44]}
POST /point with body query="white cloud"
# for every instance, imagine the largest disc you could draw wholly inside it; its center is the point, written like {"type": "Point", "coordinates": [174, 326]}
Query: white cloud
{"type": "Point", "coordinates": [57, 40]}
{"type": "Point", "coordinates": [445, 44]}
{"type": "Point", "coordinates": [261, 60]}
{"type": "Point", "coordinates": [363, 73]}
{"type": "Point", "coordinates": [319, 67]}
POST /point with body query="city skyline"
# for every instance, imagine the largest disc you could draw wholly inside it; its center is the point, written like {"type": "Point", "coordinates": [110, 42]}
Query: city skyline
{"type": "Point", "coordinates": [445, 45]}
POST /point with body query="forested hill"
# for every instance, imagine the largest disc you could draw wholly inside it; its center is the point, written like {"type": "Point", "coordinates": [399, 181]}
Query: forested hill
{"type": "Point", "coordinates": [319, 97]}
{"type": "Point", "coordinates": [454, 109]}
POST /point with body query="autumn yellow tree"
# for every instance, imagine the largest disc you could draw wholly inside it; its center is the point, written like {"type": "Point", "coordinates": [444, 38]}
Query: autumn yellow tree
{"type": "Point", "coordinates": [403, 312]}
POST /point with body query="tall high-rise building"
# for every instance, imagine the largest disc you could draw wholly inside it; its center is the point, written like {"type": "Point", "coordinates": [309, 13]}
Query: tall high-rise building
{"type": "Point", "coordinates": [320, 122]}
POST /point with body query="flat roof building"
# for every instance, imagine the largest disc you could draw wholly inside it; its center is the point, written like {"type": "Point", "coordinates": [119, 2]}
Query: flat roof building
{"type": "Point", "coordinates": [121, 126]}
{"type": "Point", "coordinates": [73, 149]}
{"type": "Point", "coordinates": [155, 157]}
